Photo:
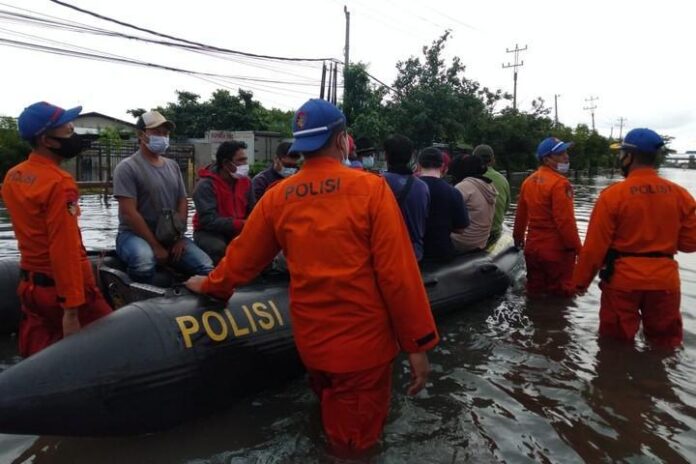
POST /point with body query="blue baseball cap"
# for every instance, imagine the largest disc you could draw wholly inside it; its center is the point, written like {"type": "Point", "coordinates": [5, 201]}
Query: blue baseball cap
{"type": "Point", "coordinates": [552, 146]}
{"type": "Point", "coordinates": [313, 124]}
{"type": "Point", "coordinates": [42, 116]}
{"type": "Point", "coordinates": [642, 140]}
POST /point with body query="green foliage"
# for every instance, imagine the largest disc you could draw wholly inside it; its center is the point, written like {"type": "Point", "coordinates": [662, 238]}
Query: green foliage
{"type": "Point", "coordinates": [223, 111]}
{"type": "Point", "coordinates": [13, 149]}
{"type": "Point", "coordinates": [435, 102]}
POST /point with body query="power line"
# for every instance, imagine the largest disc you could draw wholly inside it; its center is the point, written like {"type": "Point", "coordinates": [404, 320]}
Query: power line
{"type": "Point", "coordinates": [179, 39]}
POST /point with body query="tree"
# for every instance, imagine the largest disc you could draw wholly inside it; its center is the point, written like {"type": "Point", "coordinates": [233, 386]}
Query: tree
{"type": "Point", "coordinates": [434, 102]}
{"type": "Point", "coordinates": [12, 148]}
{"type": "Point", "coordinates": [363, 106]}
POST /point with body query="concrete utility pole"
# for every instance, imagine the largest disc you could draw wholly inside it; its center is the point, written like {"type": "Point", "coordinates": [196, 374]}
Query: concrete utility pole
{"type": "Point", "coordinates": [555, 107]}
{"type": "Point", "coordinates": [621, 122]}
{"type": "Point", "coordinates": [515, 65]}
{"type": "Point", "coordinates": [591, 107]}
{"type": "Point", "coordinates": [346, 50]}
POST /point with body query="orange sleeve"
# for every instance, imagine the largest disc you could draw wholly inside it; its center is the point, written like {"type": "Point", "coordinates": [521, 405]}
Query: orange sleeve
{"type": "Point", "coordinates": [65, 243]}
{"type": "Point", "coordinates": [564, 215]}
{"type": "Point", "coordinates": [687, 232]}
{"type": "Point", "coordinates": [398, 276]}
{"type": "Point", "coordinates": [246, 255]}
{"type": "Point", "coordinates": [600, 233]}
{"type": "Point", "coordinates": [521, 217]}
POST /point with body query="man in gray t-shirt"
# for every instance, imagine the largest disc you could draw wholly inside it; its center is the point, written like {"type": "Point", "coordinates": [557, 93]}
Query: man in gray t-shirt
{"type": "Point", "coordinates": [145, 184]}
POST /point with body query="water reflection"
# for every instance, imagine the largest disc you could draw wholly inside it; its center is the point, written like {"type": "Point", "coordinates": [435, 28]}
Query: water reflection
{"type": "Point", "coordinates": [514, 381]}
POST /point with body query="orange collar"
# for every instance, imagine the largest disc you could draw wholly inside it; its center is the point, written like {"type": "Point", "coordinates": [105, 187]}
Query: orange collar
{"type": "Point", "coordinates": [40, 159]}
{"type": "Point", "coordinates": [642, 172]}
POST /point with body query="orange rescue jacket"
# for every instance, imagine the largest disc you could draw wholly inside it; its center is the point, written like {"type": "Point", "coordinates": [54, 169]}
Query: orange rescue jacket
{"type": "Point", "coordinates": [356, 293]}
{"type": "Point", "coordinates": [545, 212]}
{"type": "Point", "coordinates": [643, 214]}
{"type": "Point", "coordinates": [42, 200]}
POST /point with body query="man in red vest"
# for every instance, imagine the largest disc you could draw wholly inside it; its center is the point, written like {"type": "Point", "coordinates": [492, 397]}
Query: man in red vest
{"type": "Point", "coordinates": [223, 198]}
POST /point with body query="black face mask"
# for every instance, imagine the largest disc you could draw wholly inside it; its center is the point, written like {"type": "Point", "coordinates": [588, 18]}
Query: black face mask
{"type": "Point", "coordinates": [70, 147]}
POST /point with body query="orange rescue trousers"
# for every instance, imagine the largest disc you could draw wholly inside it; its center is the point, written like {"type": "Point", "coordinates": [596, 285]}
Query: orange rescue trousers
{"type": "Point", "coordinates": [549, 271]}
{"type": "Point", "coordinates": [354, 406]}
{"type": "Point", "coordinates": [621, 313]}
{"type": "Point", "coordinates": [42, 315]}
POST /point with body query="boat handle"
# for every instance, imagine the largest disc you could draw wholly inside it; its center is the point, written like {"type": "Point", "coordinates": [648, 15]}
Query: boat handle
{"type": "Point", "coordinates": [431, 282]}
{"type": "Point", "coordinates": [487, 268]}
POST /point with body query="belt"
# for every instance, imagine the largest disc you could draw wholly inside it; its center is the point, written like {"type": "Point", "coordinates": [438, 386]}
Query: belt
{"type": "Point", "coordinates": [612, 255]}
{"type": "Point", "coordinates": [38, 279]}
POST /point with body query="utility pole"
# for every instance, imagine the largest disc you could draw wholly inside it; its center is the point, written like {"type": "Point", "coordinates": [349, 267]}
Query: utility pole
{"type": "Point", "coordinates": [346, 59]}
{"type": "Point", "coordinates": [621, 122]}
{"type": "Point", "coordinates": [323, 80]}
{"type": "Point", "coordinates": [555, 106]}
{"type": "Point", "coordinates": [516, 65]}
{"type": "Point", "coordinates": [591, 107]}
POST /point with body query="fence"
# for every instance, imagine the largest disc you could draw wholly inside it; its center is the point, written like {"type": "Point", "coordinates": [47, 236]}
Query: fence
{"type": "Point", "coordinates": [96, 164]}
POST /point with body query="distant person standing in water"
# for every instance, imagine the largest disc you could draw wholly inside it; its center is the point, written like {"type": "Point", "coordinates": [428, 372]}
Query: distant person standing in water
{"type": "Point", "coordinates": [545, 222]}
{"type": "Point", "coordinates": [636, 228]}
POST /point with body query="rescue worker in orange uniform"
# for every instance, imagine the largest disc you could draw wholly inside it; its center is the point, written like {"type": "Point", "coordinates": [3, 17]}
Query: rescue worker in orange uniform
{"type": "Point", "coordinates": [636, 228]}
{"type": "Point", "coordinates": [356, 294]}
{"type": "Point", "coordinates": [58, 292]}
{"type": "Point", "coordinates": [545, 213]}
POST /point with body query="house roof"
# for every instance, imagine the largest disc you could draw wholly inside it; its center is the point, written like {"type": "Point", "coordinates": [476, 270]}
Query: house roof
{"type": "Point", "coordinates": [104, 116]}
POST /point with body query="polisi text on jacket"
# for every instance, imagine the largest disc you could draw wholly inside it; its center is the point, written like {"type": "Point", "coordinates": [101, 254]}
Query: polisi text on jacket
{"type": "Point", "coordinates": [313, 188]}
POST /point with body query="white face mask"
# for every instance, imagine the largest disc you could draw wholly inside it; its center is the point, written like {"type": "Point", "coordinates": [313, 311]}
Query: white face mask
{"type": "Point", "coordinates": [562, 167]}
{"type": "Point", "coordinates": [242, 170]}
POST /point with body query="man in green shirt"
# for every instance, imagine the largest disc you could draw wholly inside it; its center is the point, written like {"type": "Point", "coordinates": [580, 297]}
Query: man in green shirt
{"type": "Point", "coordinates": [502, 201]}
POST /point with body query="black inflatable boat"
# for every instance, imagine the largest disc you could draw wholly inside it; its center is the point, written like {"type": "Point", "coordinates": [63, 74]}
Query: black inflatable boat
{"type": "Point", "coordinates": [166, 356]}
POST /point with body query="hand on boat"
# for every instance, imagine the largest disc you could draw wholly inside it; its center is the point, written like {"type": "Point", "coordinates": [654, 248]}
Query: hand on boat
{"type": "Point", "coordinates": [420, 368]}
{"type": "Point", "coordinates": [71, 322]}
{"type": "Point", "coordinates": [177, 250]}
{"type": "Point", "coordinates": [195, 284]}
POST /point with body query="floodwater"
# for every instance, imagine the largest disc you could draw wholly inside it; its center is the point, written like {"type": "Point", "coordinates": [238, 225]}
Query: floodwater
{"type": "Point", "coordinates": [513, 381]}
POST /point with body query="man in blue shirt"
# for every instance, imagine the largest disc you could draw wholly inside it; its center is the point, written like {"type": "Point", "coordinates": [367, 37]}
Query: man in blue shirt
{"type": "Point", "coordinates": [411, 193]}
{"type": "Point", "coordinates": [447, 213]}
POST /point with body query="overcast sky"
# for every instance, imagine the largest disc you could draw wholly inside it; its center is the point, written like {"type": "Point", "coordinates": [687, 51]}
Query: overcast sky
{"type": "Point", "coordinates": [632, 55]}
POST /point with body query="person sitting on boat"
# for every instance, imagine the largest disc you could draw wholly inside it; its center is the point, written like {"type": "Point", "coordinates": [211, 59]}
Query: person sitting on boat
{"type": "Point", "coordinates": [545, 214]}
{"type": "Point", "coordinates": [412, 194]}
{"type": "Point", "coordinates": [57, 291]}
{"type": "Point", "coordinates": [447, 213]}
{"type": "Point", "coordinates": [223, 199]}
{"type": "Point", "coordinates": [153, 208]}
{"type": "Point", "coordinates": [479, 197]}
{"type": "Point", "coordinates": [502, 186]}
{"type": "Point", "coordinates": [355, 297]}
{"type": "Point", "coordinates": [636, 228]}
{"type": "Point", "coordinates": [284, 165]}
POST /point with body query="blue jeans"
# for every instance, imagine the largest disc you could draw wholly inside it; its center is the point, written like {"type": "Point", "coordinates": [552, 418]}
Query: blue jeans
{"type": "Point", "coordinates": [140, 259]}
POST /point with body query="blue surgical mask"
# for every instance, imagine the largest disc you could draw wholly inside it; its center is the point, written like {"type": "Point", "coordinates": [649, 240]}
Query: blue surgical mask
{"type": "Point", "coordinates": [287, 172]}
{"type": "Point", "coordinates": [158, 143]}
{"type": "Point", "coordinates": [368, 162]}
{"type": "Point", "coordinates": [562, 167]}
